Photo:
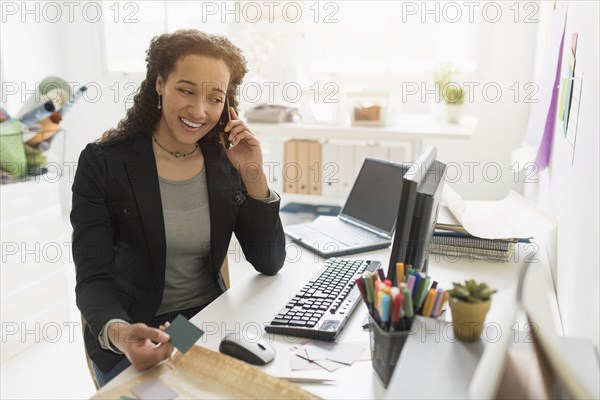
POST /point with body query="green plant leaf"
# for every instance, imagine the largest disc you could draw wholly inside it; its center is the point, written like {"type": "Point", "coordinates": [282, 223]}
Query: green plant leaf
{"type": "Point", "coordinates": [471, 291]}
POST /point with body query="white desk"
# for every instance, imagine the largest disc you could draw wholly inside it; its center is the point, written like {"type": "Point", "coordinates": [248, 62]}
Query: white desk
{"type": "Point", "coordinates": [255, 299]}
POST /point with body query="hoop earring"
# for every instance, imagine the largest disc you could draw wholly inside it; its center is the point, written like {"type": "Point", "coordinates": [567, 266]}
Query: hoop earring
{"type": "Point", "coordinates": [159, 101]}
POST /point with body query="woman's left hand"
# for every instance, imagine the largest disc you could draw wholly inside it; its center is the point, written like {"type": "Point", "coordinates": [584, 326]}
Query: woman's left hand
{"type": "Point", "coordinates": [245, 149]}
{"type": "Point", "coordinates": [245, 155]}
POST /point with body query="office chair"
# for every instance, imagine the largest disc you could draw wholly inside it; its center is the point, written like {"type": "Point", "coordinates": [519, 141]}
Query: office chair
{"type": "Point", "coordinates": [224, 272]}
{"type": "Point", "coordinates": [87, 356]}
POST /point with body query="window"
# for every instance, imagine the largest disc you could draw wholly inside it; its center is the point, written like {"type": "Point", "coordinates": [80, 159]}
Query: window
{"type": "Point", "coordinates": [342, 37]}
{"type": "Point", "coordinates": [128, 27]}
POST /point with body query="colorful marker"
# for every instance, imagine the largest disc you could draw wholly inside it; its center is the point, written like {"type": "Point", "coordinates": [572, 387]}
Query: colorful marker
{"type": "Point", "coordinates": [380, 295]}
{"type": "Point", "coordinates": [385, 310]}
{"type": "Point", "coordinates": [370, 292]}
{"type": "Point", "coordinates": [408, 304]}
{"type": "Point", "coordinates": [438, 300]}
{"type": "Point", "coordinates": [415, 285]}
{"type": "Point", "coordinates": [397, 309]}
{"type": "Point", "coordinates": [423, 293]}
{"type": "Point", "coordinates": [428, 306]}
{"type": "Point", "coordinates": [438, 311]}
{"type": "Point", "coordinates": [410, 283]}
{"type": "Point", "coordinates": [399, 272]}
{"type": "Point", "coordinates": [420, 291]}
{"type": "Point", "coordinates": [361, 288]}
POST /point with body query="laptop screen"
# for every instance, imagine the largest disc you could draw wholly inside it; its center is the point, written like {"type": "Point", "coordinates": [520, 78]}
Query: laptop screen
{"type": "Point", "coordinates": [375, 196]}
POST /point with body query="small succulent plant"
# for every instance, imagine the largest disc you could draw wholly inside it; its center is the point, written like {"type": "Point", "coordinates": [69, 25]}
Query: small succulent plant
{"type": "Point", "coordinates": [471, 291]}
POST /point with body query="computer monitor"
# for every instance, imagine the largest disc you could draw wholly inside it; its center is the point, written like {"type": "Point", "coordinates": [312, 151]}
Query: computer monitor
{"type": "Point", "coordinates": [419, 205]}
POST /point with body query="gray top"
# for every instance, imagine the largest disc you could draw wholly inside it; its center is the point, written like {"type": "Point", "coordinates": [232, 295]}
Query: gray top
{"type": "Point", "coordinates": [189, 280]}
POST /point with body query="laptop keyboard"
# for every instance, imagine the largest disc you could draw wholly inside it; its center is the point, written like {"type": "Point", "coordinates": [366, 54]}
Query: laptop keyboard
{"type": "Point", "coordinates": [355, 236]}
{"type": "Point", "coordinates": [322, 307]}
{"type": "Point", "coordinates": [345, 233]}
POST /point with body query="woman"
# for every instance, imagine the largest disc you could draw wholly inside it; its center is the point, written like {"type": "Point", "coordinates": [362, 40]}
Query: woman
{"type": "Point", "coordinates": [156, 200]}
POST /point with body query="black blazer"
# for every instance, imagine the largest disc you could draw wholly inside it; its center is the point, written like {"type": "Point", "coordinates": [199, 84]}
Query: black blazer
{"type": "Point", "coordinates": [119, 245]}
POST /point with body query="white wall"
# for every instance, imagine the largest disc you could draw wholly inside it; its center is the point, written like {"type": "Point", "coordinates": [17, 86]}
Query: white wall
{"type": "Point", "coordinates": [506, 57]}
{"type": "Point", "coordinates": [569, 189]}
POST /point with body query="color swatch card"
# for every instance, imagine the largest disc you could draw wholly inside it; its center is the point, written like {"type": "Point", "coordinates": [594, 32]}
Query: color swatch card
{"type": "Point", "coordinates": [299, 363]}
{"type": "Point", "coordinates": [183, 333]}
{"type": "Point", "coordinates": [344, 353]}
{"type": "Point", "coordinates": [154, 389]}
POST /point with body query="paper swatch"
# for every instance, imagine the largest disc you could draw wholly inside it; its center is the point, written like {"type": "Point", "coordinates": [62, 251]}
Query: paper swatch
{"type": "Point", "coordinates": [153, 389]}
{"type": "Point", "coordinates": [329, 365]}
{"type": "Point", "coordinates": [345, 353]}
{"type": "Point", "coordinates": [183, 333]}
{"type": "Point", "coordinates": [300, 364]}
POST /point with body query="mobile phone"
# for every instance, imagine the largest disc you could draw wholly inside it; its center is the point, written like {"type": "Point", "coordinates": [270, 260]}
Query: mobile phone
{"type": "Point", "coordinates": [225, 118]}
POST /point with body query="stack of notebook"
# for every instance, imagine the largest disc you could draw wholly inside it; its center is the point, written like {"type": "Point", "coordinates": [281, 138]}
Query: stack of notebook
{"type": "Point", "coordinates": [454, 240]}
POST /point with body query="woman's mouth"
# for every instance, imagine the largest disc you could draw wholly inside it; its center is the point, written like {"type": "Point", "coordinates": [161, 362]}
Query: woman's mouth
{"type": "Point", "coordinates": [189, 125]}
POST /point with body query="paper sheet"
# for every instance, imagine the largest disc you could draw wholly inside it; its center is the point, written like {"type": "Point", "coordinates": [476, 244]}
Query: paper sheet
{"type": "Point", "coordinates": [510, 217]}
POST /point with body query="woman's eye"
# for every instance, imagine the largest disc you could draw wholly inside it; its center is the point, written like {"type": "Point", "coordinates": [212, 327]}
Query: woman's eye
{"type": "Point", "coordinates": [185, 91]}
{"type": "Point", "coordinates": [217, 100]}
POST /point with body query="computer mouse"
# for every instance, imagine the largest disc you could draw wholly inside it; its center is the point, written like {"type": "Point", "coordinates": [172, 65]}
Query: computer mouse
{"type": "Point", "coordinates": [251, 350]}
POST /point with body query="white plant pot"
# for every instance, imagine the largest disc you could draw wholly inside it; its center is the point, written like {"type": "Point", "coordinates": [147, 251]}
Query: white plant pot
{"type": "Point", "coordinates": [453, 112]}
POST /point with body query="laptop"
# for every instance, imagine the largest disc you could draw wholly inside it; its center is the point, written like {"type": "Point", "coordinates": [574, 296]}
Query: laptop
{"type": "Point", "coordinates": [367, 220]}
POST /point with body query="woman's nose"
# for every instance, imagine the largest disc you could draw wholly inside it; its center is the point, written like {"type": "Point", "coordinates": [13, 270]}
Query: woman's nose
{"type": "Point", "coordinates": [198, 109]}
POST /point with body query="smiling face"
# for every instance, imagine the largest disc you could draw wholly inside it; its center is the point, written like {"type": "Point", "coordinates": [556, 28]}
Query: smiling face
{"type": "Point", "coordinates": [193, 97]}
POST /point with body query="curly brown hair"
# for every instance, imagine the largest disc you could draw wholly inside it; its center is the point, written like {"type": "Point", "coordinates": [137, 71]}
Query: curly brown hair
{"type": "Point", "coordinates": [162, 55]}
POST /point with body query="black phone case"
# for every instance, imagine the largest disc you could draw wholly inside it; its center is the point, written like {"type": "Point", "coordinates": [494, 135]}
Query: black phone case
{"type": "Point", "coordinates": [225, 118]}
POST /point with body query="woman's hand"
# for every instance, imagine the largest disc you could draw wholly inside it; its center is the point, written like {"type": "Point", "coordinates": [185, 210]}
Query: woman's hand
{"type": "Point", "coordinates": [136, 341]}
{"type": "Point", "coordinates": [245, 155]}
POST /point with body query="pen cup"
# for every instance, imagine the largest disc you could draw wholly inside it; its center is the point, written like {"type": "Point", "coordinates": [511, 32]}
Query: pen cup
{"type": "Point", "coordinates": [385, 349]}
